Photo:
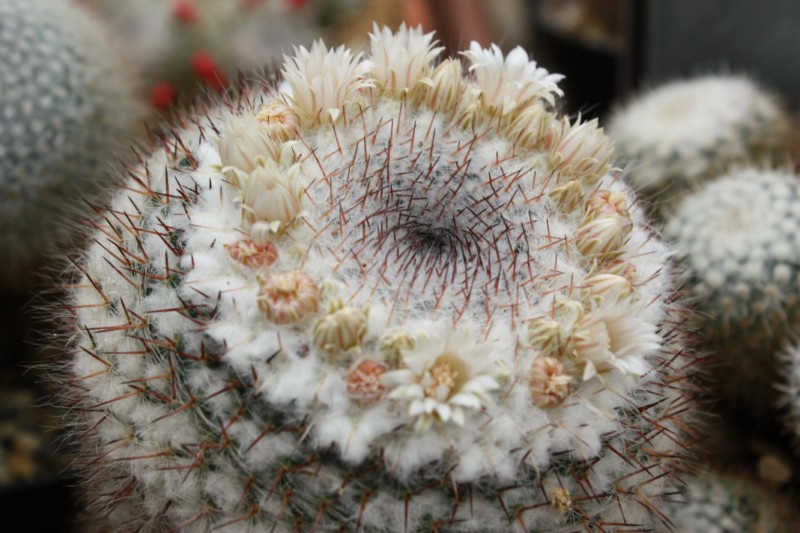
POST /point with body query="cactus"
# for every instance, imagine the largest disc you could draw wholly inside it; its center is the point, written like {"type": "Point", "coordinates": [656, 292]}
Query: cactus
{"type": "Point", "coordinates": [184, 46]}
{"type": "Point", "coordinates": [788, 386]}
{"type": "Point", "coordinates": [737, 239]}
{"type": "Point", "coordinates": [389, 296]}
{"type": "Point", "coordinates": [714, 502]}
{"type": "Point", "coordinates": [685, 133]}
{"type": "Point", "coordinates": [67, 109]}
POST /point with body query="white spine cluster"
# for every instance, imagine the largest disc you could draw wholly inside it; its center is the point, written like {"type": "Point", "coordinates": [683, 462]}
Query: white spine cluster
{"type": "Point", "coordinates": [685, 133]}
{"type": "Point", "coordinates": [738, 239]}
{"type": "Point", "coordinates": [422, 339]}
{"type": "Point", "coordinates": [67, 109]}
{"type": "Point", "coordinates": [713, 502]}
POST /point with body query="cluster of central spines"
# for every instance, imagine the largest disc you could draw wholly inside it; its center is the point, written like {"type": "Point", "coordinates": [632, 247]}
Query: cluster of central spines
{"type": "Point", "coordinates": [273, 311]}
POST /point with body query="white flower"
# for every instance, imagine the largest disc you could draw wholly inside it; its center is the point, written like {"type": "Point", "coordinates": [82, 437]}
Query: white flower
{"type": "Point", "coordinates": [243, 141]}
{"type": "Point", "coordinates": [445, 374]}
{"type": "Point", "coordinates": [322, 81]}
{"type": "Point", "coordinates": [445, 86]}
{"type": "Point", "coordinates": [614, 334]}
{"type": "Point", "coordinates": [278, 119]}
{"type": "Point", "coordinates": [271, 198]}
{"type": "Point", "coordinates": [399, 60]}
{"type": "Point", "coordinates": [582, 149]}
{"type": "Point", "coordinates": [513, 82]}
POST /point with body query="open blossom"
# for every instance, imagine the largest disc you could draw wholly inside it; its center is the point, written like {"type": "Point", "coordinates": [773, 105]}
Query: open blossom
{"type": "Point", "coordinates": [614, 335]}
{"type": "Point", "coordinates": [399, 60]}
{"type": "Point", "coordinates": [444, 375]}
{"type": "Point", "coordinates": [322, 81]}
{"type": "Point", "coordinates": [512, 82]}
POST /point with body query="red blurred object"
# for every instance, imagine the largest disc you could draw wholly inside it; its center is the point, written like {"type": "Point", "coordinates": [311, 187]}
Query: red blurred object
{"type": "Point", "coordinates": [297, 4]}
{"type": "Point", "coordinates": [206, 67]}
{"type": "Point", "coordinates": [185, 11]}
{"type": "Point", "coordinates": [162, 95]}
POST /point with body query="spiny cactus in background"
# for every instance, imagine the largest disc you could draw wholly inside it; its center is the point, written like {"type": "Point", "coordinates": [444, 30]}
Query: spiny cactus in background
{"type": "Point", "coordinates": [713, 502]}
{"type": "Point", "coordinates": [789, 386]}
{"type": "Point", "coordinates": [181, 46]}
{"type": "Point", "coordinates": [67, 109]}
{"type": "Point", "coordinates": [396, 296]}
{"type": "Point", "coordinates": [684, 133]}
{"type": "Point", "coordinates": [739, 240]}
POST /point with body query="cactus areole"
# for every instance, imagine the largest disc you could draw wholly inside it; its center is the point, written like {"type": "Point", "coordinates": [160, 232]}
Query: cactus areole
{"type": "Point", "coordinates": [390, 294]}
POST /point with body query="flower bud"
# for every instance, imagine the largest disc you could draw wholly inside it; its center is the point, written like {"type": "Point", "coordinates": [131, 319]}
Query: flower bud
{"type": "Point", "coordinates": [287, 297]}
{"type": "Point", "coordinates": [244, 140]}
{"type": "Point", "coordinates": [272, 196]}
{"type": "Point", "coordinates": [549, 382]}
{"type": "Point", "coordinates": [278, 120]}
{"type": "Point", "coordinates": [342, 329]}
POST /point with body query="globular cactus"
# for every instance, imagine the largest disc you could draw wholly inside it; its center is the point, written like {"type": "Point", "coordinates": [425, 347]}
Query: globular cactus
{"type": "Point", "coordinates": [738, 239]}
{"type": "Point", "coordinates": [392, 296]}
{"type": "Point", "coordinates": [714, 502]}
{"type": "Point", "coordinates": [67, 110]}
{"type": "Point", "coordinates": [685, 133]}
{"type": "Point", "coordinates": [788, 385]}
{"type": "Point", "coordinates": [182, 46]}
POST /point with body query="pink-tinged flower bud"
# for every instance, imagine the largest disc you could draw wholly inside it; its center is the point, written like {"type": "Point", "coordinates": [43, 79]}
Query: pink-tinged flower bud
{"type": "Point", "coordinates": [549, 382]}
{"type": "Point", "coordinates": [364, 381]}
{"type": "Point", "coordinates": [287, 297]}
{"type": "Point", "coordinates": [248, 253]}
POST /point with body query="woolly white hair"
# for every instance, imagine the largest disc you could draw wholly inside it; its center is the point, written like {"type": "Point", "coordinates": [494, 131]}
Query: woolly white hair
{"type": "Point", "coordinates": [367, 363]}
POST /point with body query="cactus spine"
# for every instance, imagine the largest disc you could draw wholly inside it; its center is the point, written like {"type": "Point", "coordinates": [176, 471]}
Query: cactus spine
{"type": "Point", "coordinates": [376, 307]}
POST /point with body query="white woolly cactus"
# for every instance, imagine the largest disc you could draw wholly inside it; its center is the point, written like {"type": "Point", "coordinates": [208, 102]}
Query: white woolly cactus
{"type": "Point", "coordinates": [687, 132]}
{"type": "Point", "coordinates": [714, 502]}
{"type": "Point", "coordinates": [382, 305]}
{"type": "Point", "coordinates": [67, 109]}
{"type": "Point", "coordinates": [739, 241]}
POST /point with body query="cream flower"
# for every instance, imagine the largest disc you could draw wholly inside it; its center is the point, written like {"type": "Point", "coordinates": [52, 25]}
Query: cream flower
{"type": "Point", "coordinates": [399, 60]}
{"type": "Point", "coordinates": [581, 149]}
{"type": "Point", "coordinates": [445, 374]}
{"type": "Point", "coordinates": [614, 334]}
{"type": "Point", "coordinates": [322, 81]}
{"type": "Point", "coordinates": [341, 329]}
{"type": "Point", "coordinates": [510, 83]}
{"type": "Point", "coordinates": [244, 141]}
{"type": "Point", "coordinates": [271, 198]}
{"type": "Point", "coordinates": [445, 87]}
{"type": "Point", "coordinates": [278, 119]}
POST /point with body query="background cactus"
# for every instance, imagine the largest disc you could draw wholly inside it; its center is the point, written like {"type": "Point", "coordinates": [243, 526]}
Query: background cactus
{"type": "Point", "coordinates": [687, 132]}
{"type": "Point", "coordinates": [67, 109]}
{"type": "Point", "coordinates": [392, 297]}
{"type": "Point", "coordinates": [182, 46]}
{"type": "Point", "coordinates": [713, 502]}
{"type": "Point", "coordinates": [737, 238]}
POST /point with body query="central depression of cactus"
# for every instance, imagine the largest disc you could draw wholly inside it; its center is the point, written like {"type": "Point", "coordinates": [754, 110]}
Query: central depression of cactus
{"type": "Point", "coordinates": [388, 295]}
